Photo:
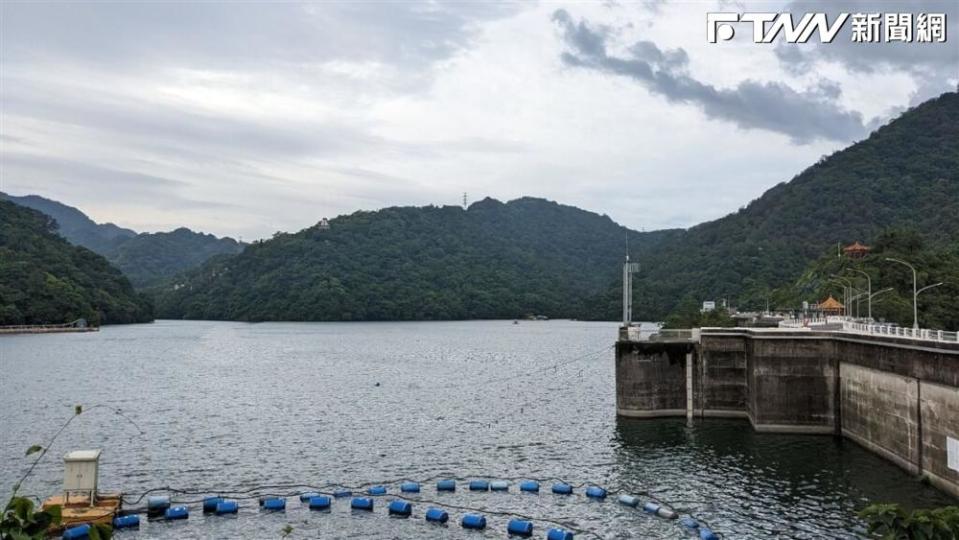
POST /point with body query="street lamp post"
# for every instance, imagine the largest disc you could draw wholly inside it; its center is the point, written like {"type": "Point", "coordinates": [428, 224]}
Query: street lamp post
{"type": "Point", "coordinates": [915, 293]}
{"type": "Point", "coordinates": [847, 298]}
{"type": "Point", "coordinates": [868, 291]}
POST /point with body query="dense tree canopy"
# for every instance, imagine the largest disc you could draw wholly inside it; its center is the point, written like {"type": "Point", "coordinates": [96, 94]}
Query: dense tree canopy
{"type": "Point", "coordinates": [44, 279]}
{"type": "Point", "coordinates": [934, 262]}
{"type": "Point", "coordinates": [493, 260]}
{"type": "Point", "coordinates": [145, 258]}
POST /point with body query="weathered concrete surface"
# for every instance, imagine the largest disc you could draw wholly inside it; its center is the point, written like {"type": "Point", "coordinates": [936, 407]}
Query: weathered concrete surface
{"type": "Point", "coordinates": [791, 385]}
{"type": "Point", "coordinates": [651, 379]}
{"type": "Point", "coordinates": [722, 384]}
{"type": "Point", "coordinates": [894, 396]}
{"type": "Point", "coordinates": [880, 411]}
{"type": "Point", "coordinates": [939, 413]}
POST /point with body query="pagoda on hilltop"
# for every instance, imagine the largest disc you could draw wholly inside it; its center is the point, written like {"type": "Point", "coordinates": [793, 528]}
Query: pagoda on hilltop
{"type": "Point", "coordinates": [856, 250]}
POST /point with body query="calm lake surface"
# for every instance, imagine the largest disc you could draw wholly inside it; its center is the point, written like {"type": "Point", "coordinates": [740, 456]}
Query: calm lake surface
{"type": "Point", "coordinates": [217, 406]}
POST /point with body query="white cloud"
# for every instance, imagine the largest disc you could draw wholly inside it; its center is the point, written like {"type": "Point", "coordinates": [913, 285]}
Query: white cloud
{"type": "Point", "coordinates": [151, 119]}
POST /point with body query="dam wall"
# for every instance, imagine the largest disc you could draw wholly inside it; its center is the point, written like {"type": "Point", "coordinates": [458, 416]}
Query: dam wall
{"type": "Point", "coordinates": [897, 397]}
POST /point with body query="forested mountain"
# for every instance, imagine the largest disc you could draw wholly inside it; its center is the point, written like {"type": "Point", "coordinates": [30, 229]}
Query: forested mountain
{"type": "Point", "coordinates": [44, 279]}
{"type": "Point", "coordinates": [74, 225]}
{"type": "Point", "coordinates": [533, 256]}
{"type": "Point", "coordinates": [934, 262]}
{"type": "Point", "coordinates": [906, 174]}
{"type": "Point", "coordinates": [144, 258]}
{"type": "Point", "coordinates": [494, 260]}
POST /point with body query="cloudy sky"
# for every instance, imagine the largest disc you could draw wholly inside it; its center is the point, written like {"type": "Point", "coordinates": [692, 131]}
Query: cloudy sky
{"type": "Point", "coordinates": [243, 118]}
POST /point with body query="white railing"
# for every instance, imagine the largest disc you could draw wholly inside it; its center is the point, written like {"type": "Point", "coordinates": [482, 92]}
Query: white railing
{"type": "Point", "coordinates": [636, 333]}
{"type": "Point", "coordinates": [874, 329]}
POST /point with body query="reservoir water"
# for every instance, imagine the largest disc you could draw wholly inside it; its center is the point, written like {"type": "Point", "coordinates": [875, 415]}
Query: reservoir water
{"type": "Point", "coordinates": [219, 406]}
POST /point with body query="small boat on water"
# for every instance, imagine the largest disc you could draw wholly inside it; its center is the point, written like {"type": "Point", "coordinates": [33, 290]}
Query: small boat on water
{"type": "Point", "coordinates": [81, 500]}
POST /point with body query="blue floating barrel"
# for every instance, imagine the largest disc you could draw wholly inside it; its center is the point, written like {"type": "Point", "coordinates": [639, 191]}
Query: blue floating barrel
{"type": "Point", "coordinates": [361, 503]}
{"type": "Point", "coordinates": [446, 485]}
{"type": "Point", "coordinates": [305, 497]}
{"type": "Point", "coordinates": [342, 493]}
{"type": "Point", "coordinates": [559, 534]}
{"type": "Point", "coordinates": [400, 508]}
{"type": "Point", "coordinates": [126, 522]}
{"type": "Point", "coordinates": [209, 503]}
{"type": "Point", "coordinates": [376, 490]}
{"type": "Point", "coordinates": [437, 515]}
{"type": "Point", "coordinates": [705, 533]}
{"type": "Point", "coordinates": [519, 527]}
{"type": "Point", "coordinates": [499, 485]}
{"type": "Point", "coordinates": [479, 485]}
{"type": "Point", "coordinates": [410, 487]}
{"type": "Point", "coordinates": [629, 500]}
{"type": "Point", "coordinates": [529, 485]}
{"type": "Point", "coordinates": [666, 513]}
{"type": "Point", "coordinates": [320, 502]}
{"type": "Point", "coordinates": [689, 523]}
{"type": "Point", "coordinates": [157, 504]}
{"type": "Point", "coordinates": [227, 507]}
{"type": "Point", "coordinates": [595, 492]}
{"type": "Point", "coordinates": [176, 512]}
{"type": "Point", "coordinates": [80, 532]}
{"type": "Point", "coordinates": [651, 507]}
{"type": "Point", "coordinates": [274, 503]}
{"type": "Point", "coordinates": [473, 521]}
{"type": "Point", "coordinates": [562, 488]}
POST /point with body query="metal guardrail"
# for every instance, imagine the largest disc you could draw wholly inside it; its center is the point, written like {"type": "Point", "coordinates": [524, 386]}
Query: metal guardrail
{"type": "Point", "coordinates": [925, 334]}
{"type": "Point", "coordinates": [636, 333]}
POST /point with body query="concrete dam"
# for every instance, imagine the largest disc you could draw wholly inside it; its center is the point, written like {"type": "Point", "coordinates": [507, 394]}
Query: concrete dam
{"type": "Point", "coordinates": [897, 397]}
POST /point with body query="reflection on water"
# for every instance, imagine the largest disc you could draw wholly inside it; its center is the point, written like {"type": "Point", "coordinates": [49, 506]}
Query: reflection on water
{"type": "Point", "coordinates": [229, 406]}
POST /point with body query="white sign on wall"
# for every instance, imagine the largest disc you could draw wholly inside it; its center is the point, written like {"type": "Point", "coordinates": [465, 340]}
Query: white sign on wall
{"type": "Point", "coordinates": [952, 453]}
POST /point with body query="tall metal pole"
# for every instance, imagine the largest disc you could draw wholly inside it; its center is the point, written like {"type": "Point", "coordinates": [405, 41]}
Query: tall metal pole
{"type": "Point", "coordinates": [868, 291]}
{"type": "Point", "coordinates": [847, 298]}
{"type": "Point", "coordinates": [627, 293]}
{"type": "Point", "coordinates": [915, 293]}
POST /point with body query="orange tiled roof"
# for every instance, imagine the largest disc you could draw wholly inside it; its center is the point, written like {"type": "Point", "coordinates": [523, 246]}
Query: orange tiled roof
{"type": "Point", "coordinates": [856, 246]}
{"type": "Point", "coordinates": [830, 303]}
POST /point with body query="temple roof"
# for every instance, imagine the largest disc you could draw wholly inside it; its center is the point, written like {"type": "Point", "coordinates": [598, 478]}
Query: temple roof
{"type": "Point", "coordinates": [830, 303]}
{"type": "Point", "coordinates": [856, 246]}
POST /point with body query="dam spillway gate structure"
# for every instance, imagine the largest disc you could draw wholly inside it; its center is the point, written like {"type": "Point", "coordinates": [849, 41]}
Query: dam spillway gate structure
{"type": "Point", "coordinates": [898, 397]}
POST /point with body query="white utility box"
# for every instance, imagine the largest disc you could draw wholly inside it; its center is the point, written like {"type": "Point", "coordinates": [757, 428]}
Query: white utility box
{"type": "Point", "coordinates": [80, 469]}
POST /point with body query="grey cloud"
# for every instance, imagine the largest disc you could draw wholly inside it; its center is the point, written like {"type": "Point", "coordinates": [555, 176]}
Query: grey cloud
{"type": "Point", "coordinates": [143, 35]}
{"type": "Point", "coordinates": [23, 172]}
{"type": "Point", "coordinates": [802, 115]}
{"type": "Point", "coordinates": [933, 65]}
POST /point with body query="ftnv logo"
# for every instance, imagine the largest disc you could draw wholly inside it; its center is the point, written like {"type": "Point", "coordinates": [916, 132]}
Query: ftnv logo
{"type": "Point", "coordinates": [866, 27]}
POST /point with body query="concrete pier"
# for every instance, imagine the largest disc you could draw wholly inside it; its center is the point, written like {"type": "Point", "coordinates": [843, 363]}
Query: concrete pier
{"type": "Point", "coordinates": [897, 397]}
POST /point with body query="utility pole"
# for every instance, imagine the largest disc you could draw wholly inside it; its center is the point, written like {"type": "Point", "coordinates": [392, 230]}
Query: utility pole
{"type": "Point", "coordinates": [915, 293]}
{"type": "Point", "coordinates": [628, 270]}
{"type": "Point", "coordinates": [868, 292]}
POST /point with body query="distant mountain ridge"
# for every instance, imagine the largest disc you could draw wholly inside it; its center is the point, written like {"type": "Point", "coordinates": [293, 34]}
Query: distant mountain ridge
{"type": "Point", "coordinates": [145, 258]}
{"type": "Point", "coordinates": [46, 280]}
{"type": "Point", "coordinates": [497, 260]}
{"type": "Point", "coordinates": [492, 260]}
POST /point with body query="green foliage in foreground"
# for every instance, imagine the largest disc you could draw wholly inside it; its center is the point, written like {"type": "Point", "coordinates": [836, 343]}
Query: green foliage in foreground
{"type": "Point", "coordinates": [935, 263]}
{"type": "Point", "coordinates": [893, 523]}
{"type": "Point", "coordinates": [20, 519]}
{"type": "Point", "coordinates": [45, 280]}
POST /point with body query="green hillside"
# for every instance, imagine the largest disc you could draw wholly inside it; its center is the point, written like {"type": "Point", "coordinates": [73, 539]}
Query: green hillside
{"type": "Point", "coordinates": [494, 260]}
{"type": "Point", "coordinates": [935, 263]}
{"type": "Point", "coordinates": [906, 174]}
{"type": "Point", "coordinates": [46, 280]}
{"type": "Point", "coordinates": [145, 258]}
